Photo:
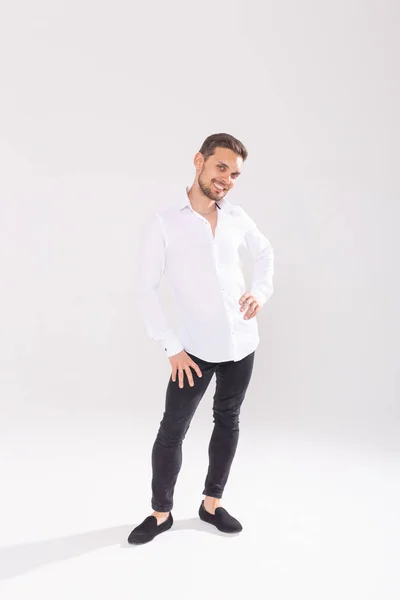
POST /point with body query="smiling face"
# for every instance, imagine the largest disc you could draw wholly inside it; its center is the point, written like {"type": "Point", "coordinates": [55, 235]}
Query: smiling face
{"type": "Point", "coordinates": [218, 173]}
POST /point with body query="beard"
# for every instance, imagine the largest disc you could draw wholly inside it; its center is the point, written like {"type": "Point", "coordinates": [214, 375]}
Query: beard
{"type": "Point", "coordinates": [208, 191]}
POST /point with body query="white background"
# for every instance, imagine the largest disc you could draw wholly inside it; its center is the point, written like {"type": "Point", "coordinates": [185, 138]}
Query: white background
{"type": "Point", "coordinates": [102, 108]}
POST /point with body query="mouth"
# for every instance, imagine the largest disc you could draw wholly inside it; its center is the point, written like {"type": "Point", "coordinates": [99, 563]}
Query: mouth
{"type": "Point", "coordinates": [220, 188]}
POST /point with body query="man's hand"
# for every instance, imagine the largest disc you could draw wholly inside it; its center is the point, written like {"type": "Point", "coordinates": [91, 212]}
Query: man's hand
{"type": "Point", "coordinates": [250, 301]}
{"type": "Point", "coordinates": [182, 362]}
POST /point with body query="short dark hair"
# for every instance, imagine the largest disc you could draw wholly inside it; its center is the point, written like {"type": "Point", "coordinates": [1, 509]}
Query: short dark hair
{"type": "Point", "coordinates": [222, 140]}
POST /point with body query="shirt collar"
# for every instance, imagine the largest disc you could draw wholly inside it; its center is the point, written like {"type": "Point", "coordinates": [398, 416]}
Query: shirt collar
{"type": "Point", "coordinates": [222, 204]}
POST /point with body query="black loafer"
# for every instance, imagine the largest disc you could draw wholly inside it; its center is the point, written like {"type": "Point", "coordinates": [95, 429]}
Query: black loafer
{"type": "Point", "coordinates": [148, 529]}
{"type": "Point", "coordinates": [222, 519]}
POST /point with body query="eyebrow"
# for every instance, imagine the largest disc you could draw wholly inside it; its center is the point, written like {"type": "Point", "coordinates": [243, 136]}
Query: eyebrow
{"type": "Point", "coordinates": [225, 165]}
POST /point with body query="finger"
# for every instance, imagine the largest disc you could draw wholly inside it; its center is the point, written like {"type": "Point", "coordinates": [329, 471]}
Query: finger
{"type": "Point", "coordinates": [173, 375]}
{"type": "Point", "coordinates": [180, 377]}
{"type": "Point", "coordinates": [244, 297]}
{"type": "Point", "coordinates": [189, 375]}
{"type": "Point", "coordinates": [251, 305]}
{"type": "Point", "coordinates": [247, 301]}
{"type": "Point", "coordinates": [251, 310]}
{"type": "Point", "coordinates": [244, 303]}
{"type": "Point", "coordinates": [252, 314]}
{"type": "Point", "coordinates": [196, 368]}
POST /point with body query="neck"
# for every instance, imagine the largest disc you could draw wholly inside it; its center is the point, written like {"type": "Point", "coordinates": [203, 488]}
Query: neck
{"type": "Point", "coordinates": [200, 203]}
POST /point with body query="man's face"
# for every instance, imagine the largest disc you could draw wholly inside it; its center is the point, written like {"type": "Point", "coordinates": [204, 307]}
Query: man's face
{"type": "Point", "coordinates": [219, 173]}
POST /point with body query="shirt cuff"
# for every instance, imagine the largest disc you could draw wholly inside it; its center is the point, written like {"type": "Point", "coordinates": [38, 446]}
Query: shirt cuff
{"type": "Point", "coordinates": [259, 295]}
{"type": "Point", "coordinates": [172, 344]}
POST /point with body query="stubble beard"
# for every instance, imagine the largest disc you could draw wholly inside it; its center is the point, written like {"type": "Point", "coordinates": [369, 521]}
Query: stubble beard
{"type": "Point", "coordinates": [207, 191]}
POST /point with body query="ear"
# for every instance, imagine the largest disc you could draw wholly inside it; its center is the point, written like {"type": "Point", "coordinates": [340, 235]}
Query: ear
{"type": "Point", "coordinates": [198, 161]}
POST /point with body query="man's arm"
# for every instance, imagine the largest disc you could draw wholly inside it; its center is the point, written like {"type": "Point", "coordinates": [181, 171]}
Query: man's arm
{"type": "Point", "coordinates": [263, 254]}
{"type": "Point", "coordinates": [151, 264]}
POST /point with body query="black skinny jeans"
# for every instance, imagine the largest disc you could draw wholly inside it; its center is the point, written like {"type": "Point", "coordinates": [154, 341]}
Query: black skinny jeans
{"type": "Point", "coordinates": [232, 380]}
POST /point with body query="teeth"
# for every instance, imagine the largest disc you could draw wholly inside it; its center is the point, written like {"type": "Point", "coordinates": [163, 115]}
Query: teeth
{"type": "Point", "coordinates": [218, 186]}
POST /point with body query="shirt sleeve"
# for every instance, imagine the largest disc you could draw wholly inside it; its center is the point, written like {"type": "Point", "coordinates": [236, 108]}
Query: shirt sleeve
{"type": "Point", "coordinates": [151, 266]}
{"type": "Point", "coordinates": [263, 253]}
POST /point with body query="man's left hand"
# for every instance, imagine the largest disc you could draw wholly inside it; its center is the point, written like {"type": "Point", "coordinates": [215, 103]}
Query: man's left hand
{"type": "Point", "coordinates": [249, 301]}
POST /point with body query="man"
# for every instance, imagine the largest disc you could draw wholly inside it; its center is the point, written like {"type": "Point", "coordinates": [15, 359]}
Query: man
{"type": "Point", "coordinates": [195, 244]}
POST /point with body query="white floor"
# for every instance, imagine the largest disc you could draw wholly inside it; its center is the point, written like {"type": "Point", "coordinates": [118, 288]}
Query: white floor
{"type": "Point", "coordinates": [320, 519]}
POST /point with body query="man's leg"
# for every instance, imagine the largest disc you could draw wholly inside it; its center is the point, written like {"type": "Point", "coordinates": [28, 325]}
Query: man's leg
{"type": "Point", "coordinates": [232, 380]}
{"type": "Point", "coordinates": [180, 406]}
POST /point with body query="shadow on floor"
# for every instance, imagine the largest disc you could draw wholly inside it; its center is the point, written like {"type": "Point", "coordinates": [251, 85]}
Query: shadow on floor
{"type": "Point", "coordinates": [17, 560]}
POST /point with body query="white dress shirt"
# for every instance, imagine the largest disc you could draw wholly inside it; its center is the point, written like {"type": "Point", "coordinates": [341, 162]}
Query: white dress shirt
{"type": "Point", "coordinates": [206, 280]}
